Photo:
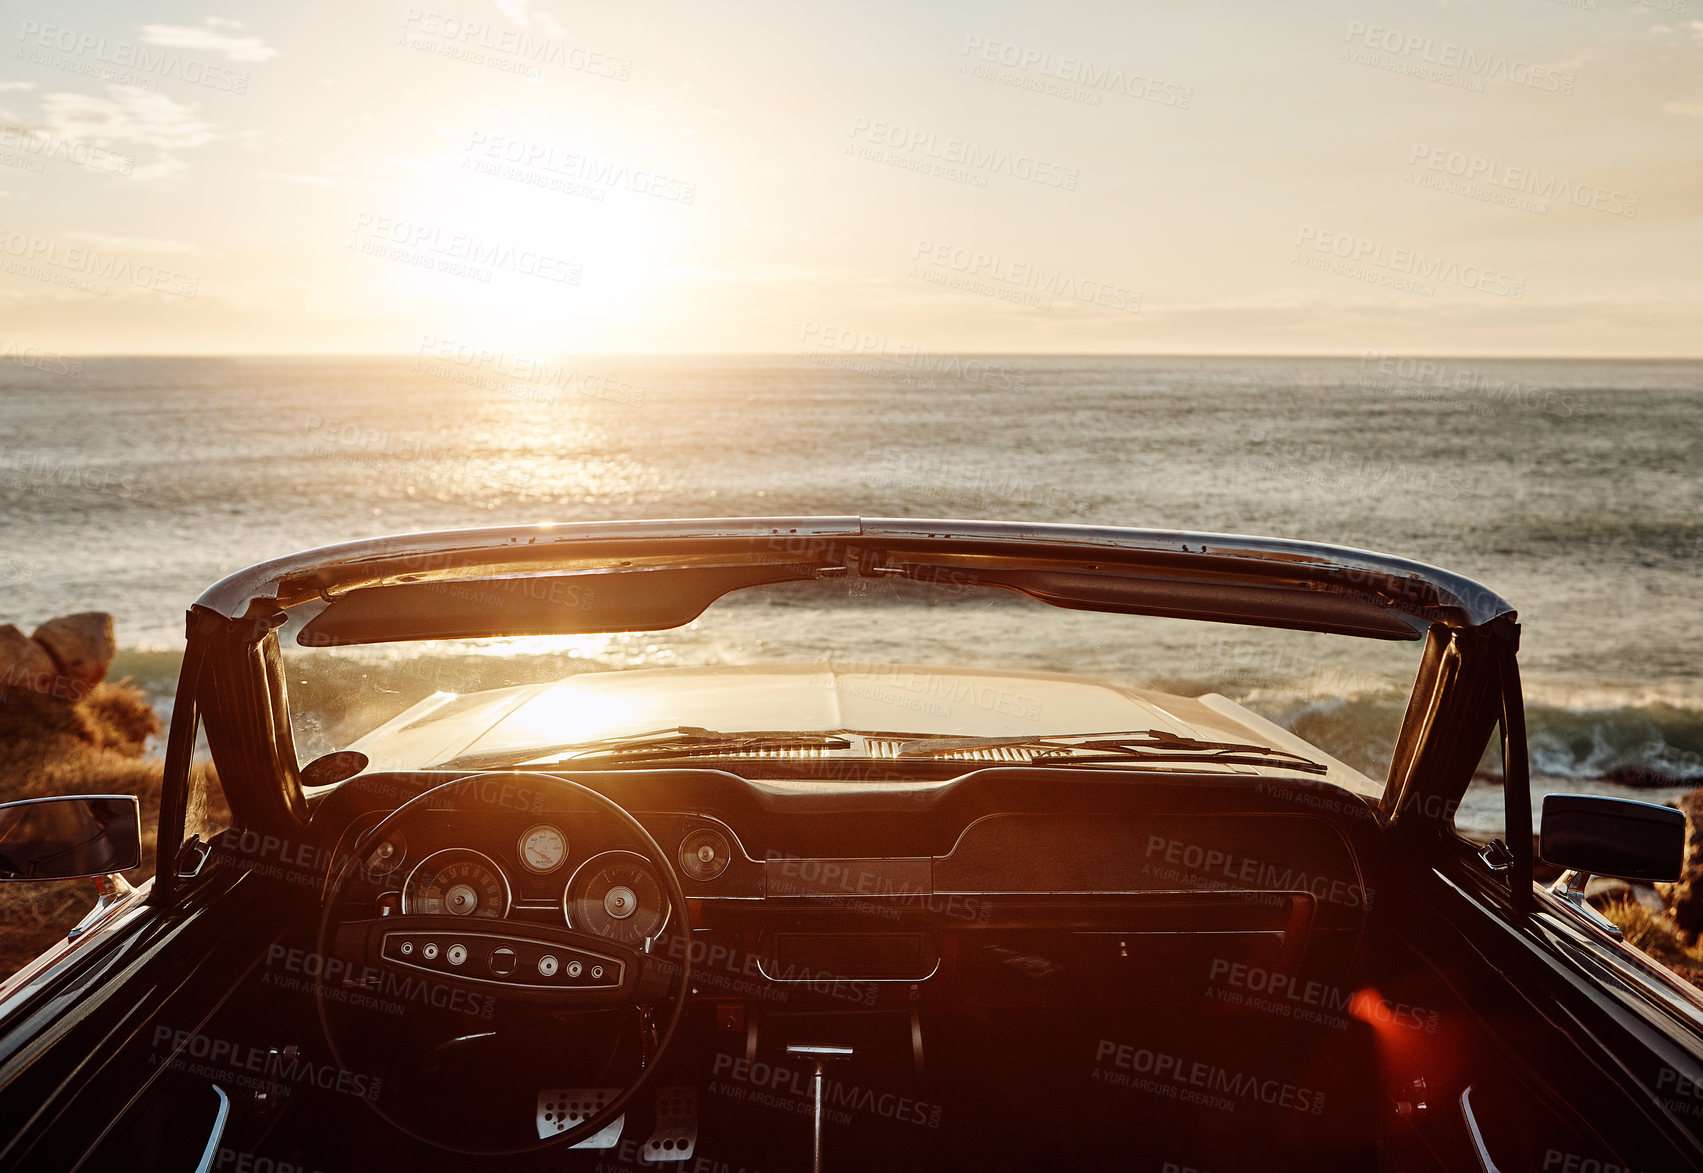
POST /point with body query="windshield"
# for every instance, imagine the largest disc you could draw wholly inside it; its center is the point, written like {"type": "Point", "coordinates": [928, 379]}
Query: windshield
{"type": "Point", "coordinates": [908, 673]}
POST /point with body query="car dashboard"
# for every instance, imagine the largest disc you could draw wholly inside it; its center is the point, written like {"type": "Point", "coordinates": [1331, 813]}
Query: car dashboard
{"type": "Point", "coordinates": [1007, 885]}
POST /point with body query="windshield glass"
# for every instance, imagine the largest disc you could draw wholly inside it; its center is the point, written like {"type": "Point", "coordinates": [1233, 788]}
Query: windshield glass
{"type": "Point", "coordinates": [905, 672]}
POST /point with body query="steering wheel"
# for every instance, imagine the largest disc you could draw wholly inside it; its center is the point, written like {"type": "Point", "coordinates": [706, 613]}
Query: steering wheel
{"type": "Point", "coordinates": [486, 958]}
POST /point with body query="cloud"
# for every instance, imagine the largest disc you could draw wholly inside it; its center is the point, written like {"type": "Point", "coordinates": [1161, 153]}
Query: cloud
{"type": "Point", "coordinates": [518, 12]}
{"type": "Point", "coordinates": [1689, 109]}
{"type": "Point", "coordinates": [134, 244]}
{"type": "Point", "coordinates": [128, 115]}
{"type": "Point", "coordinates": [177, 36]}
{"type": "Point", "coordinates": [299, 177]}
{"type": "Point", "coordinates": [16, 85]}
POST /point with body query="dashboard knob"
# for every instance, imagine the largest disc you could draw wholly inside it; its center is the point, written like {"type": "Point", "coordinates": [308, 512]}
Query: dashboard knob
{"type": "Point", "coordinates": [502, 962]}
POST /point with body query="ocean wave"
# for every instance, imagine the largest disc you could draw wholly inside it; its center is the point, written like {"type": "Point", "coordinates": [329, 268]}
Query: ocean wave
{"type": "Point", "coordinates": [1653, 745]}
{"type": "Point", "coordinates": [1650, 744]}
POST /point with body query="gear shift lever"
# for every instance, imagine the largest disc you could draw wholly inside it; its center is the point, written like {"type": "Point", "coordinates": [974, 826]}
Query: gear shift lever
{"type": "Point", "coordinates": [819, 1054]}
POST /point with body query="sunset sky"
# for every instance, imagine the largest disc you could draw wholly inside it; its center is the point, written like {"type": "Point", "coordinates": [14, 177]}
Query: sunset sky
{"type": "Point", "coordinates": [1516, 177]}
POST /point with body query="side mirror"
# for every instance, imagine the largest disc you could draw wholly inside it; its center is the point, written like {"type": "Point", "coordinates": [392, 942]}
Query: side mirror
{"type": "Point", "coordinates": [64, 838]}
{"type": "Point", "coordinates": [1613, 837]}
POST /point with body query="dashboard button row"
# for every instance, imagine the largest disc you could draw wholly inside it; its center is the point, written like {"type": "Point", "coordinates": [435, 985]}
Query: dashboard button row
{"type": "Point", "coordinates": [513, 960]}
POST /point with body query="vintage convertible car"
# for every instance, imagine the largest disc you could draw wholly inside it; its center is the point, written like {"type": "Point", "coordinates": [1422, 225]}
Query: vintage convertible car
{"type": "Point", "coordinates": [843, 843]}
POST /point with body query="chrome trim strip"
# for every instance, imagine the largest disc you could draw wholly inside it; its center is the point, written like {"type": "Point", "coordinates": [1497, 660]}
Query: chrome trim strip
{"type": "Point", "coordinates": [1485, 1164]}
{"type": "Point", "coordinates": [500, 550]}
{"type": "Point", "coordinates": [212, 1149]}
{"type": "Point", "coordinates": [841, 977]}
{"type": "Point", "coordinates": [65, 952]}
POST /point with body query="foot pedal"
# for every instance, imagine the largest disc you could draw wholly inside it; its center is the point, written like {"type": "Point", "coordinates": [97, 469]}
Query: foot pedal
{"type": "Point", "coordinates": [676, 1132]}
{"type": "Point", "coordinates": [559, 1109]}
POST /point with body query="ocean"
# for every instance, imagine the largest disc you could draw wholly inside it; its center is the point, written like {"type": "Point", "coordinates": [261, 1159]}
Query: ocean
{"type": "Point", "coordinates": [1571, 487]}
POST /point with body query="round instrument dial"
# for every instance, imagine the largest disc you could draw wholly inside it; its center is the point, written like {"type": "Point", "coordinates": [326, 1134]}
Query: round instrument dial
{"type": "Point", "coordinates": [543, 848]}
{"type": "Point", "coordinates": [456, 882]}
{"type": "Point", "coordinates": [616, 895]}
{"type": "Point", "coordinates": [385, 856]}
{"type": "Point", "coordinates": [705, 853]}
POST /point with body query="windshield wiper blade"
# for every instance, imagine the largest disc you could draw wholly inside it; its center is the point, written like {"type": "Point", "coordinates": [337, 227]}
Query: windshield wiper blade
{"type": "Point", "coordinates": [1150, 745]}
{"type": "Point", "coordinates": [659, 744]}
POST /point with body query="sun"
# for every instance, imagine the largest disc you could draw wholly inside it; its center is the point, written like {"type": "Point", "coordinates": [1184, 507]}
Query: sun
{"type": "Point", "coordinates": [524, 260]}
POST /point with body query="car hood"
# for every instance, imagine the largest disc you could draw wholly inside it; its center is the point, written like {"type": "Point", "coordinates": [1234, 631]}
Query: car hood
{"type": "Point", "coordinates": [890, 698]}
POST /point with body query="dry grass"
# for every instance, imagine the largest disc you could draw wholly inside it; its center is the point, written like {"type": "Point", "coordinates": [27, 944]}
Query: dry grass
{"type": "Point", "coordinates": [1657, 936]}
{"type": "Point", "coordinates": [48, 747]}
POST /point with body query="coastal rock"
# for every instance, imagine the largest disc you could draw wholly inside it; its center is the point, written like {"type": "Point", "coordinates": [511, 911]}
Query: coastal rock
{"type": "Point", "coordinates": [24, 664]}
{"type": "Point", "coordinates": [1685, 896]}
{"type": "Point", "coordinates": [81, 644]}
{"type": "Point", "coordinates": [1641, 776]}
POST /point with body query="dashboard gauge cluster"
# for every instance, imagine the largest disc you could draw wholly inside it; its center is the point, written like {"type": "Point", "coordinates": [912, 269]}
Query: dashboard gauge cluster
{"type": "Point", "coordinates": [525, 869]}
{"type": "Point", "coordinates": [456, 882]}
{"type": "Point", "coordinates": [386, 856]}
{"type": "Point", "coordinates": [704, 854]}
{"type": "Point", "coordinates": [543, 849]}
{"type": "Point", "coordinates": [616, 895]}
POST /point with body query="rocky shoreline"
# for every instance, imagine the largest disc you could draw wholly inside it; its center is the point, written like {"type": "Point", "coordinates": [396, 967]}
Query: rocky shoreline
{"type": "Point", "coordinates": [65, 730]}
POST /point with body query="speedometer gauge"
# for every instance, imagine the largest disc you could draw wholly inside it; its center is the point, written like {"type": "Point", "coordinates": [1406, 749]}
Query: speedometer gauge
{"type": "Point", "coordinates": [456, 882]}
{"type": "Point", "coordinates": [543, 848]}
{"type": "Point", "coordinates": [616, 895]}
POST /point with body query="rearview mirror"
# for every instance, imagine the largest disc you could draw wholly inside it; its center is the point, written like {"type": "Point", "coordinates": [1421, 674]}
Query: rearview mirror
{"type": "Point", "coordinates": [1613, 837]}
{"type": "Point", "coordinates": [63, 838]}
